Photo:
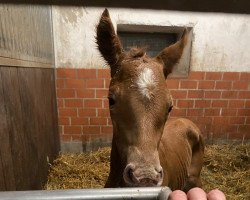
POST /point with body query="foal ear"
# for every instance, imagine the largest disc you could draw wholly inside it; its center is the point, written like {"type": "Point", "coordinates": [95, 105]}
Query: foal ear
{"type": "Point", "coordinates": [171, 55]}
{"type": "Point", "coordinates": [108, 42]}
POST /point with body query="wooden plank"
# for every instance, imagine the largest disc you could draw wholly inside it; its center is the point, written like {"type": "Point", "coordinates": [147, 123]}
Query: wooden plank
{"type": "Point", "coordinates": [7, 170]}
{"type": "Point", "coordinates": [49, 136]}
{"type": "Point", "coordinates": [16, 131]}
{"type": "Point", "coordinates": [56, 136]}
{"type": "Point", "coordinates": [23, 63]}
{"type": "Point", "coordinates": [40, 119]}
{"type": "Point", "coordinates": [48, 80]}
{"type": "Point", "coordinates": [50, 131]}
{"type": "Point", "coordinates": [42, 127]}
{"type": "Point", "coordinates": [2, 182]}
{"type": "Point", "coordinates": [26, 35]}
{"type": "Point", "coordinates": [31, 120]}
{"type": "Point", "coordinates": [3, 127]}
{"type": "Point", "coordinates": [30, 113]}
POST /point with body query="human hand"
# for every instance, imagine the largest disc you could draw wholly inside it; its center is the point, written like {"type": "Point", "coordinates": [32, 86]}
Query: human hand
{"type": "Point", "coordinates": [197, 194]}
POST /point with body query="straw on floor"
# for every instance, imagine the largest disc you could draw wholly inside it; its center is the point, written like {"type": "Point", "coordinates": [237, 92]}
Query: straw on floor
{"type": "Point", "coordinates": [226, 167]}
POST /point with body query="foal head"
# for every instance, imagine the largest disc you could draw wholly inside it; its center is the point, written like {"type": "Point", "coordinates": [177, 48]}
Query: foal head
{"type": "Point", "coordinates": [139, 103]}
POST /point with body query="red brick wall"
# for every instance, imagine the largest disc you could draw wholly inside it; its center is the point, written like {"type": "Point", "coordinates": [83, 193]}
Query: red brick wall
{"type": "Point", "coordinates": [82, 103]}
{"type": "Point", "coordinates": [218, 102]}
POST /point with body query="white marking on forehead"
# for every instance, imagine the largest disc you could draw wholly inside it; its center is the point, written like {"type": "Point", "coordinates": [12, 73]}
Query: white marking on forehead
{"type": "Point", "coordinates": [146, 82]}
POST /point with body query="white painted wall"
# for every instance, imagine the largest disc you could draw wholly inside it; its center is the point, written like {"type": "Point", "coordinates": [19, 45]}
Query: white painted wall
{"type": "Point", "coordinates": [221, 42]}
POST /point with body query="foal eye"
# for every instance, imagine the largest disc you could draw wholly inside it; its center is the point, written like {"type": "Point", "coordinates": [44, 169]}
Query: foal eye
{"type": "Point", "coordinates": [170, 108]}
{"type": "Point", "coordinates": [111, 101]}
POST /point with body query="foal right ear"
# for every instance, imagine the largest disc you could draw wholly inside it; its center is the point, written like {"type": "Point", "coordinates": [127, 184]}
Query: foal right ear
{"type": "Point", "coordinates": [108, 42]}
{"type": "Point", "coordinates": [171, 55]}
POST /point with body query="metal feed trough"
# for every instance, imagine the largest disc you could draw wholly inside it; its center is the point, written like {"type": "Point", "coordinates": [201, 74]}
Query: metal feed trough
{"type": "Point", "coordinates": [145, 193]}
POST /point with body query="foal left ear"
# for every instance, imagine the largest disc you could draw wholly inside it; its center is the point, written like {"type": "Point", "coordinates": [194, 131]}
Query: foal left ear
{"type": "Point", "coordinates": [108, 42]}
{"type": "Point", "coordinates": [171, 55]}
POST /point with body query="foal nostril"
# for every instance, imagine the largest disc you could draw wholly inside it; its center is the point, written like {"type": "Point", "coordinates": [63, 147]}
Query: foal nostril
{"type": "Point", "coordinates": [159, 176]}
{"type": "Point", "coordinates": [160, 173]}
{"type": "Point", "coordinates": [128, 174]}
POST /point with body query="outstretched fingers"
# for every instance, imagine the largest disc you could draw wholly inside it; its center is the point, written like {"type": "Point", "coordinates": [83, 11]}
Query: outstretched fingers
{"type": "Point", "coordinates": [178, 195]}
{"type": "Point", "coordinates": [216, 195]}
{"type": "Point", "coordinates": [197, 194]}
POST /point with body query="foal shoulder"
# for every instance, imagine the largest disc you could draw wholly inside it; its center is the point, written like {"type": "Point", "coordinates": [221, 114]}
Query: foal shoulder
{"type": "Point", "coordinates": [184, 128]}
{"type": "Point", "coordinates": [182, 124]}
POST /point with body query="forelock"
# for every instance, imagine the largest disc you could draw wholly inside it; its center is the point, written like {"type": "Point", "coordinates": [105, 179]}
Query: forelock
{"type": "Point", "coordinates": [137, 52]}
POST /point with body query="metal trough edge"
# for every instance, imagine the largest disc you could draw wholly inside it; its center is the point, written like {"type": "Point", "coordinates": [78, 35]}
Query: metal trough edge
{"type": "Point", "coordinates": [145, 193]}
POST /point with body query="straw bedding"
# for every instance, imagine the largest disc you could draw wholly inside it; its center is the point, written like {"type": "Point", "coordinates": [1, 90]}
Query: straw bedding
{"type": "Point", "coordinates": [226, 167]}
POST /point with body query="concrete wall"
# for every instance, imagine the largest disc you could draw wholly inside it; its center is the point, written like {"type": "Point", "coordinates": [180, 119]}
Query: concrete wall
{"type": "Point", "coordinates": [220, 41]}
